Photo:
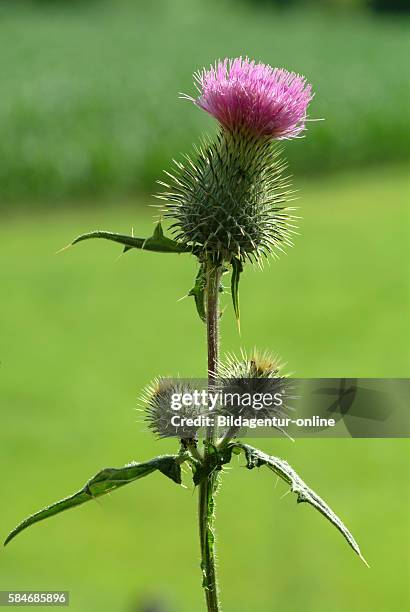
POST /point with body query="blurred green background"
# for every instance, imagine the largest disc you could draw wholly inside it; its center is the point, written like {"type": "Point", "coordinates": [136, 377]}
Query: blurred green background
{"type": "Point", "coordinates": [89, 117]}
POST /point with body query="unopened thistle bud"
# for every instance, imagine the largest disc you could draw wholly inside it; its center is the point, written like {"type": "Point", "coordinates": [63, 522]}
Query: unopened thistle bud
{"type": "Point", "coordinates": [259, 364]}
{"type": "Point", "coordinates": [255, 376]}
{"type": "Point", "coordinates": [157, 400]}
{"type": "Point", "coordinates": [228, 200]}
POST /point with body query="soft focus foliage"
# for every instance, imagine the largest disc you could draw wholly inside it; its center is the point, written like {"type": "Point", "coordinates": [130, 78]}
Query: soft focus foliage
{"type": "Point", "coordinates": [89, 107]}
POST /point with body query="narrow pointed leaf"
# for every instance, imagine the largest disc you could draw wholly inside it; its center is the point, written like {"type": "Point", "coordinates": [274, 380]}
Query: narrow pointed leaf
{"type": "Point", "coordinates": [256, 458]}
{"type": "Point", "coordinates": [105, 481]}
{"type": "Point", "coordinates": [158, 231]}
{"type": "Point", "coordinates": [237, 268]}
{"type": "Point", "coordinates": [198, 292]}
{"type": "Point", "coordinates": [157, 242]}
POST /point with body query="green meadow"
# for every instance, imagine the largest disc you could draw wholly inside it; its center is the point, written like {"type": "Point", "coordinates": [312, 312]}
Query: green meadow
{"type": "Point", "coordinates": [89, 118]}
{"type": "Point", "coordinates": [83, 331]}
{"type": "Point", "coordinates": [89, 102]}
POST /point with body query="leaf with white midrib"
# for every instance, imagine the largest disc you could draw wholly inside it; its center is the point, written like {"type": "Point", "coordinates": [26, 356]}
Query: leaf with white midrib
{"type": "Point", "coordinates": [158, 242]}
{"type": "Point", "coordinates": [257, 458]}
{"type": "Point", "coordinates": [103, 482]}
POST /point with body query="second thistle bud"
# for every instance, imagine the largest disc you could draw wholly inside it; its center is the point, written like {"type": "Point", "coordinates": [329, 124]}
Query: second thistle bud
{"type": "Point", "coordinates": [256, 376]}
{"type": "Point", "coordinates": [158, 402]}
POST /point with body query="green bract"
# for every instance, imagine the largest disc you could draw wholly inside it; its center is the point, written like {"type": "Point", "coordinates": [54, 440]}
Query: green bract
{"type": "Point", "coordinates": [228, 199]}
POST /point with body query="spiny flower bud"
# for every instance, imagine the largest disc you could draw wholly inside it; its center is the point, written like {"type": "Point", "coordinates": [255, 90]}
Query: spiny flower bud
{"type": "Point", "coordinates": [256, 375]}
{"type": "Point", "coordinates": [259, 364]}
{"type": "Point", "coordinates": [157, 400]}
{"type": "Point", "coordinates": [228, 199]}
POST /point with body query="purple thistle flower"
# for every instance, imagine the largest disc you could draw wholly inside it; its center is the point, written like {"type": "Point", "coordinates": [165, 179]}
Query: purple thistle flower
{"type": "Point", "coordinates": [264, 101]}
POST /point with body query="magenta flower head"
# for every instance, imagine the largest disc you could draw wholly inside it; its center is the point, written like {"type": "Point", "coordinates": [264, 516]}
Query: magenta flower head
{"type": "Point", "coordinates": [244, 95]}
{"type": "Point", "coordinates": [228, 200]}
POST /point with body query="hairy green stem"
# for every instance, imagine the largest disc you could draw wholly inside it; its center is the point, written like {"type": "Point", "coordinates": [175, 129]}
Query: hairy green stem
{"type": "Point", "coordinates": [213, 280]}
{"type": "Point", "coordinates": [207, 538]}
{"type": "Point", "coordinates": [208, 486]}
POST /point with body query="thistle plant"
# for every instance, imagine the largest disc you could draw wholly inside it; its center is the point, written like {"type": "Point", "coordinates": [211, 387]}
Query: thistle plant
{"type": "Point", "coordinates": [225, 204]}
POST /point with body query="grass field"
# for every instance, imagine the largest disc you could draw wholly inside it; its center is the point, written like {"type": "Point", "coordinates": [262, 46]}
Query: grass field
{"type": "Point", "coordinates": [89, 95]}
{"type": "Point", "coordinates": [83, 331]}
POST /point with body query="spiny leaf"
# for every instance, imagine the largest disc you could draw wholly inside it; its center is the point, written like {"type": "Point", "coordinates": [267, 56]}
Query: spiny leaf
{"type": "Point", "coordinates": [105, 481]}
{"type": "Point", "coordinates": [256, 458]}
{"type": "Point", "coordinates": [157, 242]}
{"type": "Point", "coordinates": [198, 292]}
{"type": "Point", "coordinates": [237, 268]}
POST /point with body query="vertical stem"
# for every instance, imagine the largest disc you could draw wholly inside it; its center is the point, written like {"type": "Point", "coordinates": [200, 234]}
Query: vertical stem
{"type": "Point", "coordinates": [207, 537]}
{"type": "Point", "coordinates": [213, 276]}
{"type": "Point", "coordinates": [207, 488]}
